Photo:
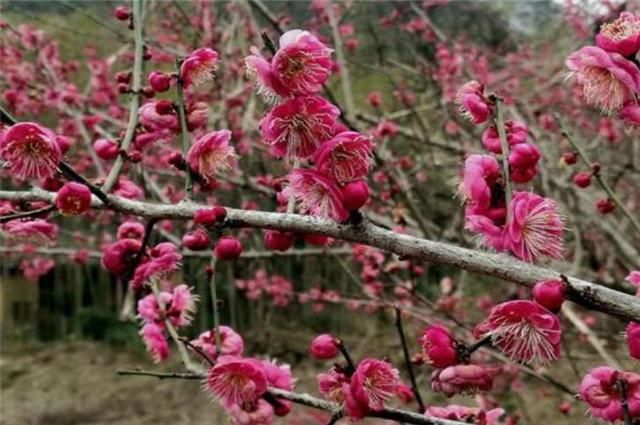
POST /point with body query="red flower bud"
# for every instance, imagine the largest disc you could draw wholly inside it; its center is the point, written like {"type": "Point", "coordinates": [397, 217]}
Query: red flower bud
{"type": "Point", "coordinates": [605, 206]}
{"type": "Point", "coordinates": [278, 241]}
{"type": "Point", "coordinates": [324, 347]}
{"type": "Point", "coordinates": [123, 77]}
{"type": "Point", "coordinates": [106, 149]}
{"type": "Point", "coordinates": [164, 107]}
{"type": "Point", "coordinates": [550, 293]}
{"type": "Point", "coordinates": [220, 213]}
{"type": "Point", "coordinates": [205, 216]}
{"type": "Point", "coordinates": [227, 248]}
{"type": "Point", "coordinates": [569, 158]}
{"type": "Point", "coordinates": [355, 195]}
{"type": "Point", "coordinates": [582, 179]}
{"type": "Point", "coordinates": [196, 240]}
{"type": "Point", "coordinates": [122, 13]}
{"type": "Point", "coordinates": [439, 346]}
{"type": "Point", "coordinates": [159, 81]}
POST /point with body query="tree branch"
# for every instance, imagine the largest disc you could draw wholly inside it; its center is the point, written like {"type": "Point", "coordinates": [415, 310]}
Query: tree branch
{"type": "Point", "coordinates": [585, 293]}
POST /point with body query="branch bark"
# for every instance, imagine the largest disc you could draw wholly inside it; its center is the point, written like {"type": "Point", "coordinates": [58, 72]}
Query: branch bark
{"type": "Point", "coordinates": [588, 294]}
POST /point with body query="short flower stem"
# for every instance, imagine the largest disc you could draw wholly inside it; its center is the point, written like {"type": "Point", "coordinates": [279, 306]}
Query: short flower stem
{"type": "Point", "coordinates": [622, 387]}
{"type": "Point", "coordinates": [184, 137]}
{"type": "Point", "coordinates": [214, 302]}
{"type": "Point", "coordinates": [603, 184]}
{"type": "Point", "coordinates": [351, 368]}
{"type": "Point", "coordinates": [407, 360]}
{"type": "Point", "coordinates": [466, 351]}
{"type": "Point", "coordinates": [504, 143]}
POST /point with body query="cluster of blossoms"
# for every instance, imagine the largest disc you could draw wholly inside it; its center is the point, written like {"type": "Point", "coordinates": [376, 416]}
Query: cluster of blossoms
{"type": "Point", "coordinates": [525, 331]}
{"type": "Point", "coordinates": [359, 389]}
{"type": "Point", "coordinates": [241, 384]}
{"type": "Point", "coordinates": [608, 72]}
{"type": "Point", "coordinates": [303, 127]}
{"type": "Point", "coordinates": [279, 288]}
{"type": "Point", "coordinates": [175, 306]}
{"type": "Point", "coordinates": [531, 226]}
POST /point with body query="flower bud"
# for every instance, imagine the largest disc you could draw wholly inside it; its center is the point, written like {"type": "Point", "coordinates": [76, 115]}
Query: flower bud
{"type": "Point", "coordinates": [177, 160]}
{"type": "Point", "coordinates": [569, 158]}
{"type": "Point", "coordinates": [633, 339]}
{"type": "Point", "coordinates": [196, 240]}
{"type": "Point", "coordinates": [205, 216]}
{"type": "Point", "coordinates": [220, 213]}
{"type": "Point", "coordinates": [227, 248]}
{"type": "Point", "coordinates": [439, 346]}
{"type": "Point", "coordinates": [164, 107]}
{"type": "Point", "coordinates": [565, 407]}
{"type": "Point", "coordinates": [159, 81]}
{"type": "Point", "coordinates": [582, 179]}
{"type": "Point", "coordinates": [605, 206]}
{"type": "Point", "coordinates": [550, 293]}
{"type": "Point", "coordinates": [106, 149]}
{"type": "Point", "coordinates": [123, 77]}
{"type": "Point", "coordinates": [318, 240]}
{"type": "Point", "coordinates": [324, 347]}
{"type": "Point", "coordinates": [73, 198]}
{"type": "Point", "coordinates": [134, 156]}
{"type": "Point", "coordinates": [278, 241]}
{"type": "Point", "coordinates": [122, 13]}
{"type": "Point", "coordinates": [355, 195]}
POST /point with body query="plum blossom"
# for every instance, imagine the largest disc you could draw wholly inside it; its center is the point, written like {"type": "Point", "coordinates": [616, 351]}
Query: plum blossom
{"type": "Point", "coordinates": [346, 157]}
{"type": "Point", "coordinates": [36, 267]}
{"type": "Point", "coordinates": [317, 194]}
{"type": "Point", "coordinates": [536, 228]}
{"type": "Point", "coordinates": [462, 379]}
{"type": "Point", "coordinates": [212, 154]}
{"type": "Point", "coordinates": [472, 102]}
{"type": "Point", "coordinates": [36, 231]}
{"type": "Point", "coordinates": [439, 346]}
{"type": "Point", "coordinates": [118, 257]}
{"type": "Point", "coordinates": [156, 341]}
{"type": "Point", "coordinates": [73, 198]}
{"type": "Point", "coordinates": [199, 67]}
{"type": "Point", "coordinates": [237, 381]}
{"type": "Point", "coordinates": [163, 260]}
{"type": "Point", "coordinates": [374, 382]}
{"type": "Point", "coordinates": [621, 35]}
{"type": "Point", "coordinates": [231, 343]}
{"type": "Point", "coordinates": [474, 415]}
{"type": "Point", "coordinates": [300, 67]}
{"type": "Point", "coordinates": [607, 79]}
{"type": "Point", "coordinates": [295, 128]}
{"type": "Point", "coordinates": [524, 331]}
{"type": "Point", "coordinates": [30, 151]}
{"type": "Point", "coordinates": [599, 389]}
{"type": "Point", "coordinates": [516, 131]}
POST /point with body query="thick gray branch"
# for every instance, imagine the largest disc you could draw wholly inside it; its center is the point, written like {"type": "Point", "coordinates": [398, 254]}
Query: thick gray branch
{"type": "Point", "coordinates": [587, 294]}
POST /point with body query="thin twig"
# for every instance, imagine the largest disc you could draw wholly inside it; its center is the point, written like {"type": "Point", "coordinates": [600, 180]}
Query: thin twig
{"type": "Point", "coordinates": [504, 143]}
{"type": "Point", "coordinates": [27, 214]}
{"type": "Point", "coordinates": [601, 181]}
{"type": "Point", "coordinates": [214, 302]}
{"type": "Point", "coordinates": [184, 137]}
{"type": "Point", "coordinates": [407, 360]}
{"type": "Point", "coordinates": [136, 86]}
